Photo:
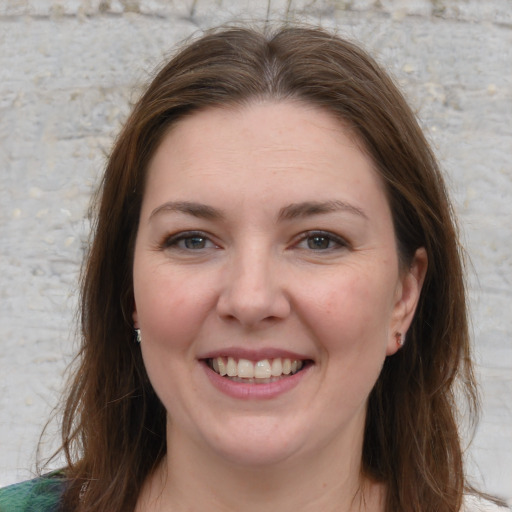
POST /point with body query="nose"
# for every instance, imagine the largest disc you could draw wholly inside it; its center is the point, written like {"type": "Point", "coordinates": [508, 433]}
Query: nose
{"type": "Point", "coordinates": [253, 293]}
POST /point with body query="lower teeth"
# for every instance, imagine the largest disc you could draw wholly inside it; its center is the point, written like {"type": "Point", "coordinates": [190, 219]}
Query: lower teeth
{"type": "Point", "coordinates": [256, 381]}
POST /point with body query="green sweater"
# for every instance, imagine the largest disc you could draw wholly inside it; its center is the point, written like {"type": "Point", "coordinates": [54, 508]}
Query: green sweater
{"type": "Point", "coordinates": [38, 495]}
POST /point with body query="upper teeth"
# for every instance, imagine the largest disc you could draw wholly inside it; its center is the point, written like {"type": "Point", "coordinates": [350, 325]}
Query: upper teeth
{"type": "Point", "coordinates": [264, 369]}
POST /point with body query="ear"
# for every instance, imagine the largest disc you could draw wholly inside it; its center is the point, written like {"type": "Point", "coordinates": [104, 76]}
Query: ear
{"type": "Point", "coordinates": [407, 298]}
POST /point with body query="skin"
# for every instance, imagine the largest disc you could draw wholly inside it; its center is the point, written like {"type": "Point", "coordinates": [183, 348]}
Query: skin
{"type": "Point", "coordinates": [252, 276]}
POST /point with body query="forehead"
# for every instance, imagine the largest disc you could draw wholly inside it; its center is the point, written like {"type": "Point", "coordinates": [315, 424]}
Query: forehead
{"type": "Point", "coordinates": [280, 120]}
{"type": "Point", "coordinates": [288, 146]}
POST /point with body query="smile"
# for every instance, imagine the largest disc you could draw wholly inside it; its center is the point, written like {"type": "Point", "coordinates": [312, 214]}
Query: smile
{"type": "Point", "coordinates": [264, 371]}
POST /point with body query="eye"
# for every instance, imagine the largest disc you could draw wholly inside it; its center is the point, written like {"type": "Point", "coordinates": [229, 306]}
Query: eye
{"type": "Point", "coordinates": [189, 241]}
{"type": "Point", "coordinates": [321, 241]}
{"type": "Point", "coordinates": [318, 242]}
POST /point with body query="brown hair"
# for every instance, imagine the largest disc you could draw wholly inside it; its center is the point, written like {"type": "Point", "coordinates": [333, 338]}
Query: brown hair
{"type": "Point", "coordinates": [114, 425]}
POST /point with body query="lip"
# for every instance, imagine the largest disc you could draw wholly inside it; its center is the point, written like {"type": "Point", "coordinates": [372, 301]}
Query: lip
{"type": "Point", "coordinates": [247, 391]}
{"type": "Point", "coordinates": [255, 354]}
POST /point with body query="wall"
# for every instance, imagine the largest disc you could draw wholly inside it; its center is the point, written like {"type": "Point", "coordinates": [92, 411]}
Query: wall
{"type": "Point", "coordinates": [68, 72]}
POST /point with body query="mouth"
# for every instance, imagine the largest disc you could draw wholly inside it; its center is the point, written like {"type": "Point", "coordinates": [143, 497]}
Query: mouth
{"type": "Point", "coordinates": [264, 371]}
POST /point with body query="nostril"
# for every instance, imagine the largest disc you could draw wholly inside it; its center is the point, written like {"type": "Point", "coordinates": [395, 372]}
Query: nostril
{"type": "Point", "coordinates": [254, 306]}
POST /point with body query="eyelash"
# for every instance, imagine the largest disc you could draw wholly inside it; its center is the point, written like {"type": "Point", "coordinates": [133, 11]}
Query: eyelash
{"type": "Point", "coordinates": [184, 236]}
{"type": "Point", "coordinates": [173, 241]}
{"type": "Point", "coordinates": [338, 241]}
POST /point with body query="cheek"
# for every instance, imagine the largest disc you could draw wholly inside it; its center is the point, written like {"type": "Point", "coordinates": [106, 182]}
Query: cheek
{"type": "Point", "coordinates": [351, 326]}
{"type": "Point", "coordinates": [170, 308]}
{"type": "Point", "coordinates": [351, 311]}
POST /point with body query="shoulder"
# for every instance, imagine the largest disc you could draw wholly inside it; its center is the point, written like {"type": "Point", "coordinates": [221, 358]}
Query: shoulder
{"type": "Point", "coordinates": [477, 504]}
{"type": "Point", "coordinates": [38, 495]}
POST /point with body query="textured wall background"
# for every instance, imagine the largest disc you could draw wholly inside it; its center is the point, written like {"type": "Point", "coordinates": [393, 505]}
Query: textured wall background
{"type": "Point", "coordinates": [68, 72]}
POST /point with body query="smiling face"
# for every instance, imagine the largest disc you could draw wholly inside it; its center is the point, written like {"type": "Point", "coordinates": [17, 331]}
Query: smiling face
{"type": "Point", "coordinates": [267, 283]}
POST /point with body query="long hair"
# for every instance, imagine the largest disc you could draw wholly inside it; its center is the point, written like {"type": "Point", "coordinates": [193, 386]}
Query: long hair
{"type": "Point", "coordinates": [113, 423]}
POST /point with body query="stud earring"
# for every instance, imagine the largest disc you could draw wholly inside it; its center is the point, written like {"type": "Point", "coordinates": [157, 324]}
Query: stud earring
{"type": "Point", "coordinates": [400, 339]}
{"type": "Point", "coordinates": [138, 337]}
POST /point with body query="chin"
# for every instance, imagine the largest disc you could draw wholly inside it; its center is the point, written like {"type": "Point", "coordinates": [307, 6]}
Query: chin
{"type": "Point", "coordinates": [259, 444]}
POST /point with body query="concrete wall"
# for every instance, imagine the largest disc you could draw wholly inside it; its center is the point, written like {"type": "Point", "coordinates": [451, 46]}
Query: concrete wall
{"type": "Point", "coordinates": [68, 72]}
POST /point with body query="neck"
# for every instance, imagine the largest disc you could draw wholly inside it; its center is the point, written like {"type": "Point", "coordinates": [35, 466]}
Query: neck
{"type": "Point", "coordinates": [329, 480]}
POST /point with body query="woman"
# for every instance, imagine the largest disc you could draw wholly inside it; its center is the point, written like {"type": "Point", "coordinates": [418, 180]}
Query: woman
{"type": "Point", "coordinates": [273, 307]}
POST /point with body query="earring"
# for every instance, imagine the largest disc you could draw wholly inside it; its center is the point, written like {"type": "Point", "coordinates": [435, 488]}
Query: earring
{"type": "Point", "coordinates": [138, 337]}
{"type": "Point", "coordinates": [400, 339]}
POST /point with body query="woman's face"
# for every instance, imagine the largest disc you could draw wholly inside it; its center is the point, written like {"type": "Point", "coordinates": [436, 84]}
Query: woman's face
{"type": "Point", "coordinates": [266, 250]}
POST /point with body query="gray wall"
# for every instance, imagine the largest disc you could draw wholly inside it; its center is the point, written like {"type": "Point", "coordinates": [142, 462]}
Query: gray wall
{"type": "Point", "coordinates": [68, 72]}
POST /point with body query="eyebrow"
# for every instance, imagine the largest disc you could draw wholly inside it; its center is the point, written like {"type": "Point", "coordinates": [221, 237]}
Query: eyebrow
{"type": "Point", "coordinates": [308, 208]}
{"type": "Point", "coordinates": [199, 210]}
{"type": "Point", "coordinates": [290, 212]}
